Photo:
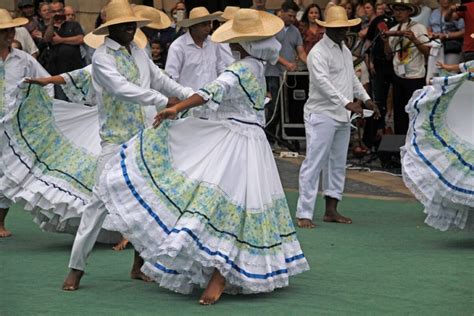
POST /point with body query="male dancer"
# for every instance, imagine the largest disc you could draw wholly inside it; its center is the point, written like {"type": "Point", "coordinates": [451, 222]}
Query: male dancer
{"type": "Point", "coordinates": [125, 79]}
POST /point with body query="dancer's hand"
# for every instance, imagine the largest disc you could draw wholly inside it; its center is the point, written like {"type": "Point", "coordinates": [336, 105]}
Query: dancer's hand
{"type": "Point", "coordinates": [355, 107]}
{"type": "Point", "coordinates": [168, 113]}
{"type": "Point", "coordinates": [39, 81]}
{"type": "Point", "coordinates": [172, 101]}
{"type": "Point", "coordinates": [371, 105]}
{"type": "Point", "coordinates": [441, 65]}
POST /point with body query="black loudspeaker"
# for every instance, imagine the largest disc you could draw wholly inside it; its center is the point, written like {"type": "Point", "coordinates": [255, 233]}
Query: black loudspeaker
{"type": "Point", "coordinates": [295, 94]}
{"type": "Point", "coordinates": [389, 150]}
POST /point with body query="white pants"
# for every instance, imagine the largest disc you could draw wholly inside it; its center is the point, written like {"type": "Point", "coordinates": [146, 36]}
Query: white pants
{"type": "Point", "coordinates": [93, 215]}
{"type": "Point", "coordinates": [327, 141]}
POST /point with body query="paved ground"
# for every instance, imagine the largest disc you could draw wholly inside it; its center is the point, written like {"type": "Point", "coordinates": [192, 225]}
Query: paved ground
{"type": "Point", "coordinates": [364, 178]}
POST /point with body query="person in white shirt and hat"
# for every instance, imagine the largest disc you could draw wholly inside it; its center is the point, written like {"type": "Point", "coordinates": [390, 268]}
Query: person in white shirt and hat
{"type": "Point", "coordinates": [333, 85]}
{"type": "Point", "coordinates": [193, 59]}
{"type": "Point", "coordinates": [124, 79]}
{"type": "Point", "coordinates": [209, 210]}
{"type": "Point", "coordinates": [15, 66]}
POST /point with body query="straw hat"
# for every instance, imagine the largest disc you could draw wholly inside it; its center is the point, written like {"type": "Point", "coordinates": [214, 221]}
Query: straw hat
{"type": "Point", "coordinates": [7, 22]}
{"type": "Point", "coordinates": [228, 14]}
{"type": "Point", "coordinates": [414, 9]}
{"type": "Point", "coordinates": [336, 16]}
{"type": "Point", "coordinates": [198, 15]}
{"type": "Point", "coordinates": [248, 25]}
{"type": "Point", "coordinates": [159, 20]}
{"type": "Point", "coordinates": [94, 41]}
{"type": "Point", "coordinates": [118, 12]}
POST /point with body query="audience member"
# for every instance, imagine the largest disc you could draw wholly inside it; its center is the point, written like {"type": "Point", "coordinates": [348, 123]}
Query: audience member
{"type": "Point", "coordinates": [407, 46]}
{"type": "Point", "coordinates": [425, 13]}
{"type": "Point", "coordinates": [65, 38]}
{"type": "Point", "coordinates": [449, 32]}
{"type": "Point", "coordinates": [310, 30]}
{"type": "Point", "coordinates": [156, 54]}
{"type": "Point", "coordinates": [27, 10]}
{"type": "Point", "coordinates": [466, 12]}
{"type": "Point", "coordinates": [291, 50]}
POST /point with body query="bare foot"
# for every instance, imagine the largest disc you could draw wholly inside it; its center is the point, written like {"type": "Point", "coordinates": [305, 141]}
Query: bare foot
{"type": "Point", "coordinates": [121, 245]}
{"type": "Point", "coordinates": [335, 217]}
{"type": "Point", "coordinates": [72, 280]}
{"type": "Point", "coordinates": [214, 289]}
{"type": "Point", "coordinates": [138, 275]}
{"type": "Point", "coordinates": [136, 272]}
{"type": "Point", "coordinates": [305, 223]}
{"type": "Point", "coordinates": [4, 232]}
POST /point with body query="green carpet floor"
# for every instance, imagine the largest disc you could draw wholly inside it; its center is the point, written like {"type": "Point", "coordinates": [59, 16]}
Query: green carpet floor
{"type": "Point", "coordinates": [387, 262]}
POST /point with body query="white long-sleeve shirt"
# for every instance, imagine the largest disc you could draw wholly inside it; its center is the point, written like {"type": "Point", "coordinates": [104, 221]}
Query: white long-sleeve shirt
{"type": "Point", "coordinates": [119, 99]}
{"type": "Point", "coordinates": [191, 65]}
{"type": "Point", "coordinates": [19, 65]}
{"type": "Point", "coordinates": [332, 80]}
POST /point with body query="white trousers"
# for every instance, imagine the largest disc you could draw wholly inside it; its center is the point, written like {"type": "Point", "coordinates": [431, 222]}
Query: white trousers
{"type": "Point", "coordinates": [327, 141]}
{"type": "Point", "coordinates": [93, 215]}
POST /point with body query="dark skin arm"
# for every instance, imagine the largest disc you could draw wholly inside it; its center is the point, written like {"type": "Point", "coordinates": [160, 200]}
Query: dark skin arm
{"type": "Point", "coordinates": [172, 111]}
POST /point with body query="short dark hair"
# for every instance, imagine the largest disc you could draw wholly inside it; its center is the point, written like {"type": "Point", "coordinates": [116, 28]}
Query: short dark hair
{"type": "Point", "coordinates": [289, 5]}
{"type": "Point", "coordinates": [155, 41]}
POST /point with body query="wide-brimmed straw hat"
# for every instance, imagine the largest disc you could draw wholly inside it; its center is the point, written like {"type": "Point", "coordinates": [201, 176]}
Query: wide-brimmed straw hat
{"type": "Point", "coordinates": [413, 8]}
{"type": "Point", "coordinates": [7, 22]}
{"type": "Point", "coordinates": [336, 16]}
{"type": "Point", "coordinates": [228, 13]}
{"type": "Point", "coordinates": [94, 40]}
{"type": "Point", "coordinates": [198, 15]}
{"type": "Point", "coordinates": [248, 25]}
{"type": "Point", "coordinates": [118, 12]}
{"type": "Point", "coordinates": [159, 20]}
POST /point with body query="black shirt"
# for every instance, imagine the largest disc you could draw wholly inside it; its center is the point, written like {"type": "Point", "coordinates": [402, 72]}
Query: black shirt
{"type": "Point", "coordinates": [67, 57]}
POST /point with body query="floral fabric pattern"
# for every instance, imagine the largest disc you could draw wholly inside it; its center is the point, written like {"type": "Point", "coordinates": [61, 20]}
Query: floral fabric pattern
{"type": "Point", "coordinates": [115, 114]}
{"type": "Point", "coordinates": [78, 87]}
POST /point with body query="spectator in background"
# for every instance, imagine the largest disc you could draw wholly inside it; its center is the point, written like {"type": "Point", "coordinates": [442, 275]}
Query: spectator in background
{"type": "Point", "coordinates": [465, 12]}
{"type": "Point", "coordinates": [156, 54]}
{"type": "Point", "coordinates": [347, 4]}
{"type": "Point", "coordinates": [310, 30]}
{"type": "Point", "coordinates": [291, 50]}
{"type": "Point", "coordinates": [100, 18]}
{"type": "Point", "coordinates": [381, 76]}
{"type": "Point", "coordinates": [168, 35]}
{"type": "Point", "coordinates": [27, 10]}
{"type": "Point", "coordinates": [425, 13]}
{"type": "Point", "coordinates": [380, 7]}
{"type": "Point", "coordinates": [65, 39]}
{"type": "Point", "coordinates": [407, 46]}
{"type": "Point", "coordinates": [449, 32]}
{"type": "Point", "coordinates": [70, 13]}
{"type": "Point", "coordinates": [44, 13]}
{"type": "Point", "coordinates": [370, 15]}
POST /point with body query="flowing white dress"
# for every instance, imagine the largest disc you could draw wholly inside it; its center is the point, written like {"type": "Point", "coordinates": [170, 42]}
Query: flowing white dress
{"type": "Point", "coordinates": [198, 194]}
{"type": "Point", "coordinates": [438, 157]}
{"type": "Point", "coordinates": [50, 154]}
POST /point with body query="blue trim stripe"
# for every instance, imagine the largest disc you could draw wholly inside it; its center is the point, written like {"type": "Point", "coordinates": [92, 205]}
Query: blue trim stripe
{"type": "Point", "coordinates": [192, 235]}
{"type": "Point", "coordinates": [165, 270]}
{"type": "Point", "coordinates": [443, 142]}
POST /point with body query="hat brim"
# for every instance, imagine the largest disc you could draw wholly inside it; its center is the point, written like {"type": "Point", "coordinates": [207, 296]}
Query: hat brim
{"type": "Point", "coordinates": [165, 21]}
{"type": "Point", "coordinates": [95, 41]}
{"type": "Point", "coordinates": [104, 30]}
{"type": "Point", "coordinates": [414, 9]}
{"type": "Point", "coordinates": [191, 22]}
{"type": "Point", "coordinates": [271, 25]}
{"type": "Point", "coordinates": [14, 23]}
{"type": "Point", "coordinates": [340, 23]}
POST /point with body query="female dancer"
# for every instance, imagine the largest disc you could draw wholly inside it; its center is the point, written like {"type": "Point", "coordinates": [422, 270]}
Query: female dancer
{"type": "Point", "coordinates": [201, 199]}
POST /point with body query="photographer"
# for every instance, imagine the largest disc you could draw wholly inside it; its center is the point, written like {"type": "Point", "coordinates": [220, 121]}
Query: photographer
{"type": "Point", "coordinates": [465, 11]}
{"type": "Point", "coordinates": [64, 38]}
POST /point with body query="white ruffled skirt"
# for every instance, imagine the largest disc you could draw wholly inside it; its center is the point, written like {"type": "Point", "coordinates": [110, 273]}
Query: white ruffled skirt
{"type": "Point", "coordinates": [438, 157]}
{"type": "Point", "coordinates": [49, 154]}
{"type": "Point", "coordinates": [195, 195]}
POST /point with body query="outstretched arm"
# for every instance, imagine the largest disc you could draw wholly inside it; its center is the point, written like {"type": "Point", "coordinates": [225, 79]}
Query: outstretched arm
{"type": "Point", "coordinates": [171, 112]}
{"type": "Point", "coordinates": [45, 81]}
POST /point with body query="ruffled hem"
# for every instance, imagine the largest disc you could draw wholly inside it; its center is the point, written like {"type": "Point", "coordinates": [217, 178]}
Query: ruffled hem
{"type": "Point", "coordinates": [182, 251]}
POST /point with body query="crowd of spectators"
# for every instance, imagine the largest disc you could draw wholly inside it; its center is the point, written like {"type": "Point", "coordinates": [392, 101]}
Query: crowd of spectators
{"type": "Point", "coordinates": [391, 46]}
